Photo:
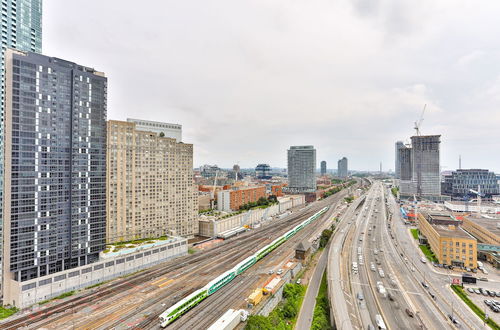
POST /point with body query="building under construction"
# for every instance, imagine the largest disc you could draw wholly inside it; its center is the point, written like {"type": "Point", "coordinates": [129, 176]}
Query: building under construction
{"type": "Point", "coordinates": [419, 168]}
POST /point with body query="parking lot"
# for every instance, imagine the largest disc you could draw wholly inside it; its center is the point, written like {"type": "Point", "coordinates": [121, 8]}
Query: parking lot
{"type": "Point", "coordinates": [479, 299]}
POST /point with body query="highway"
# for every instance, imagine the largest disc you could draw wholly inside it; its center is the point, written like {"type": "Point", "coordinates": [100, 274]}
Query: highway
{"type": "Point", "coordinates": [446, 301]}
{"type": "Point", "coordinates": [366, 239]}
{"type": "Point", "coordinates": [137, 300]}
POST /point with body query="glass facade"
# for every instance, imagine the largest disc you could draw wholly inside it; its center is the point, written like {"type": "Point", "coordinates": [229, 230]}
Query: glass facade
{"type": "Point", "coordinates": [21, 29]}
{"type": "Point", "coordinates": [56, 122]}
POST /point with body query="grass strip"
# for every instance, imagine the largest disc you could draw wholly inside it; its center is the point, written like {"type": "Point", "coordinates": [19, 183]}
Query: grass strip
{"type": "Point", "coordinates": [321, 316]}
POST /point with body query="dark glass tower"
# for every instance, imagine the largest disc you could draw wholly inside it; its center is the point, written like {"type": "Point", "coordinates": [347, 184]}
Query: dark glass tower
{"type": "Point", "coordinates": [55, 165]}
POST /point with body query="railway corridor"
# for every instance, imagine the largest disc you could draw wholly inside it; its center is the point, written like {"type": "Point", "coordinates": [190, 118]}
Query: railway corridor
{"type": "Point", "coordinates": [137, 301]}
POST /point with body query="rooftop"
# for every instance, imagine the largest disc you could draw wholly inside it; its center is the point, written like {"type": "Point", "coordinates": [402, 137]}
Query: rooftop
{"type": "Point", "coordinates": [492, 225]}
{"type": "Point", "coordinates": [452, 232]}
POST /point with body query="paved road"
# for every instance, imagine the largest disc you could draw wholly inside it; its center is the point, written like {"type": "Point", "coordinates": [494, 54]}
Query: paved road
{"type": "Point", "coordinates": [446, 301]}
{"type": "Point", "coordinates": [307, 310]}
{"type": "Point", "coordinates": [341, 313]}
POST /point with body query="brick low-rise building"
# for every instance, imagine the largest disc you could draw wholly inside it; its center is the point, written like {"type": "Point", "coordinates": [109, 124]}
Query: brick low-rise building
{"type": "Point", "coordinates": [231, 200]}
{"type": "Point", "coordinates": [450, 243]}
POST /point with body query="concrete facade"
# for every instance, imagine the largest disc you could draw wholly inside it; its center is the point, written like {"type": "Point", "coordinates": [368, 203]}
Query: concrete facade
{"type": "Point", "coordinates": [173, 131]}
{"type": "Point", "coordinates": [323, 167]}
{"type": "Point", "coordinates": [399, 145]}
{"type": "Point", "coordinates": [210, 227]}
{"type": "Point", "coordinates": [342, 168]}
{"type": "Point", "coordinates": [150, 189]}
{"type": "Point", "coordinates": [30, 292]}
{"type": "Point", "coordinates": [301, 169]}
{"type": "Point", "coordinates": [425, 180]}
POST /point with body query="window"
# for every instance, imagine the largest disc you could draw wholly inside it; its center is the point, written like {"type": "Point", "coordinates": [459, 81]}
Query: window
{"type": "Point", "coordinates": [60, 278]}
{"type": "Point", "coordinates": [29, 286]}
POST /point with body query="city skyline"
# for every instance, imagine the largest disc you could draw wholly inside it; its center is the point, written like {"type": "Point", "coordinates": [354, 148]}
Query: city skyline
{"type": "Point", "coordinates": [360, 100]}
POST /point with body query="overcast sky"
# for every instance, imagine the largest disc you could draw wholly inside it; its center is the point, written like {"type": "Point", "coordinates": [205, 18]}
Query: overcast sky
{"type": "Point", "coordinates": [247, 79]}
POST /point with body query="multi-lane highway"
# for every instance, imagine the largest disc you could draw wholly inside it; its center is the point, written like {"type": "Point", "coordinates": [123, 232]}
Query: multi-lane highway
{"type": "Point", "coordinates": [384, 281]}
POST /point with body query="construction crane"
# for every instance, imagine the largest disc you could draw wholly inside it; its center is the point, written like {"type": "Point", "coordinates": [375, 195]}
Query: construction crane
{"type": "Point", "coordinates": [419, 122]}
{"type": "Point", "coordinates": [479, 196]}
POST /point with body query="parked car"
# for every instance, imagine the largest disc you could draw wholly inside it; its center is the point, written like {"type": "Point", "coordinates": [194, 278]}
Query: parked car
{"type": "Point", "coordinates": [280, 271]}
{"type": "Point", "coordinates": [477, 291]}
{"type": "Point", "coordinates": [470, 290]}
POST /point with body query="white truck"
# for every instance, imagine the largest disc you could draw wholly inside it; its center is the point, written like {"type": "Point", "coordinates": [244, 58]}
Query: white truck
{"type": "Point", "coordinates": [230, 320]}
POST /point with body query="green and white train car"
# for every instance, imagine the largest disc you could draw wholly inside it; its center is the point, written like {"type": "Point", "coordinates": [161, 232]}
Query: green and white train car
{"type": "Point", "coordinates": [181, 307]}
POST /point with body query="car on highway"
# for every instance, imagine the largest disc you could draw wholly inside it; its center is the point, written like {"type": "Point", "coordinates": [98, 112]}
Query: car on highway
{"type": "Point", "coordinates": [454, 320]}
{"type": "Point", "coordinates": [280, 271]}
{"type": "Point", "coordinates": [360, 296]}
{"type": "Point", "coordinates": [409, 312]}
{"type": "Point", "coordinates": [432, 295]}
{"type": "Point", "coordinates": [372, 267]}
{"type": "Point", "coordinates": [390, 296]}
{"type": "Point", "coordinates": [425, 285]}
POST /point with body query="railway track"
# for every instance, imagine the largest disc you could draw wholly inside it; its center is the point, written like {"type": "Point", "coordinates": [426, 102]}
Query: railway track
{"type": "Point", "coordinates": [180, 268]}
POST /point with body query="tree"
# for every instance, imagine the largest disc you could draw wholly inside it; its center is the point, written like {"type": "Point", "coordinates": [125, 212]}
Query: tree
{"type": "Point", "coordinates": [162, 134]}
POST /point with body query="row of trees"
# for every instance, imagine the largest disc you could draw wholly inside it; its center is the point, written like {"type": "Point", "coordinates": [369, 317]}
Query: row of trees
{"type": "Point", "coordinates": [261, 202]}
{"type": "Point", "coordinates": [281, 317]}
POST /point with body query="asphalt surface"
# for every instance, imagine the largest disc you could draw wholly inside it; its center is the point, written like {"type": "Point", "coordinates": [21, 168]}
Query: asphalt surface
{"type": "Point", "coordinates": [305, 317]}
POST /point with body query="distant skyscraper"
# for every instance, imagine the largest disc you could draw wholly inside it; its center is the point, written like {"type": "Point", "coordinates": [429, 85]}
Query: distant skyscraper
{"type": "Point", "coordinates": [399, 145]}
{"type": "Point", "coordinates": [173, 131]}
{"type": "Point", "coordinates": [263, 171]}
{"type": "Point", "coordinates": [343, 170]}
{"type": "Point", "coordinates": [22, 30]}
{"type": "Point", "coordinates": [302, 169]}
{"type": "Point", "coordinates": [323, 167]}
{"type": "Point", "coordinates": [425, 179]}
{"type": "Point", "coordinates": [55, 167]}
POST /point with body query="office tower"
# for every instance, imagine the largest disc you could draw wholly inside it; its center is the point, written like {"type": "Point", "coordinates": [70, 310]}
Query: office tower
{"type": "Point", "coordinates": [323, 167]}
{"type": "Point", "coordinates": [460, 182]}
{"type": "Point", "coordinates": [263, 172]}
{"type": "Point", "coordinates": [302, 169]}
{"type": "Point", "coordinates": [21, 29]}
{"type": "Point", "coordinates": [425, 178]}
{"type": "Point", "coordinates": [150, 189]}
{"type": "Point", "coordinates": [173, 131]}
{"type": "Point", "coordinates": [399, 145]}
{"type": "Point", "coordinates": [55, 166]}
{"type": "Point", "coordinates": [342, 171]}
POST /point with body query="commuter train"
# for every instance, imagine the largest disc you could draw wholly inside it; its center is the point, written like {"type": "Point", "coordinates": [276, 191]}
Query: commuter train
{"type": "Point", "coordinates": [182, 306]}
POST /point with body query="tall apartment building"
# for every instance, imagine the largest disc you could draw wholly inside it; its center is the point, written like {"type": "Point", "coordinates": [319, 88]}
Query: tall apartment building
{"type": "Point", "coordinates": [425, 179]}
{"type": "Point", "coordinates": [21, 29]}
{"type": "Point", "coordinates": [173, 131]}
{"type": "Point", "coordinates": [301, 169]}
{"type": "Point", "coordinates": [399, 145]}
{"type": "Point", "coordinates": [323, 167]}
{"type": "Point", "coordinates": [342, 168]}
{"type": "Point", "coordinates": [459, 183]}
{"type": "Point", "coordinates": [54, 207]}
{"type": "Point", "coordinates": [150, 189]}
